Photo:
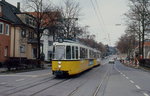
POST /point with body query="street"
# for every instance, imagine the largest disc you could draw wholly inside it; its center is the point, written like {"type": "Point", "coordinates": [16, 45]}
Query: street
{"type": "Point", "coordinates": [105, 80]}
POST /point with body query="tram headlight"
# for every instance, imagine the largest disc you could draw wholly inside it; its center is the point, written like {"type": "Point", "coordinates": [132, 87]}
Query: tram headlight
{"type": "Point", "coordinates": [59, 66]}
{"type": "Point", "coordinates": [59, 62]}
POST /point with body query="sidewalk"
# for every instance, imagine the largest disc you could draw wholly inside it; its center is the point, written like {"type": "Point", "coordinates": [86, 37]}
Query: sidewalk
{"type": "Point", "coordinates": [130, 64]}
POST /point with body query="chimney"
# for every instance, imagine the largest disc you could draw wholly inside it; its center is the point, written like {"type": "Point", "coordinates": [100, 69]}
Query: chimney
{"type": "Point", "coordinates": [18, 5]}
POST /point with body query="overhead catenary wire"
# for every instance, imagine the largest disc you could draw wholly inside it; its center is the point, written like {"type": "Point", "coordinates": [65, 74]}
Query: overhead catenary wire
{"type": "Point", "coordinates": [101, 21]}
{"type": "Point", "coordinates": [96, 13]}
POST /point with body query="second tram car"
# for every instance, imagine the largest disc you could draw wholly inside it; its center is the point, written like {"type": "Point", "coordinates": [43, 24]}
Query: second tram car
{"type": "Point", "coordinates": [70, 58]}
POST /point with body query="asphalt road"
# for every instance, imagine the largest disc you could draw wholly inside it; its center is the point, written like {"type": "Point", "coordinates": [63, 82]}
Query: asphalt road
{"type": "Point", "coordinates": [105, 80]}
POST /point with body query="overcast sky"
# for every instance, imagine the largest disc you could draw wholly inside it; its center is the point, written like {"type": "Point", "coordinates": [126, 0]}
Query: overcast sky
{"type": "Point", "coordinates": [110, 13]}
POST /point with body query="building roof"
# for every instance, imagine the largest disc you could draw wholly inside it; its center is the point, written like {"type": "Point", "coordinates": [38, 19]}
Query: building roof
{"type": "Point", "coordinates": [9, 12]}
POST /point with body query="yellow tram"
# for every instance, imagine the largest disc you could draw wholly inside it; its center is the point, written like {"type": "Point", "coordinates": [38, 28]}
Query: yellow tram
{"type": "Point", "coordinates": [70, 58]}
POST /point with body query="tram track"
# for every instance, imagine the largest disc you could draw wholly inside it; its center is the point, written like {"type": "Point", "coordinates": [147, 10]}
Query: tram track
{"type": "Point", "coordinates": [35, 85]}
{"type": "Point", "coordinates": [13, 88]}
{"type": "Point", "coordinates": [25, 86]}
{"type": "Point", "coordinates": [48, 87]}
{"type": "Point", "coordinates": [98, 88]}
{"type": "Point", "coordinates": [102, 85]}
{"type": "Point", "coordinates": [82, 84]}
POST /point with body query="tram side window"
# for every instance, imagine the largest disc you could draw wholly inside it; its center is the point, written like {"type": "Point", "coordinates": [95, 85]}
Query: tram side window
{"type": "Point", "coordinates": [81, 53]}
{"type": "Point", "coordinates": [91, 54]}
{"type": "Point", "coordinates": [73, 53]}
{"type": "Point", "coordinates": [68, 52]}
{"type": "Point", "coordinates": [53, 52]}
{"type": "Point", "coordinates": [86, 55]}
{"type": "Point", "coordinates": [76, 52]}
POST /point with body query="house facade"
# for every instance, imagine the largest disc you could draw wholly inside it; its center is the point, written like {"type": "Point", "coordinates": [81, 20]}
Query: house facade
{"type": "Point", "coordinates": [146, 50]}
{"type": "Point", "coordinates": [50, 23]}
{"type": "Point", "coordinates": [23, 38]}
{"type": "Point", "coordinates": [47, 41]}
{"type": "Point", "coordinates": [5, 32]}
{"type": "Point", "coordinates": [17, 35]}
{"type": "Point", "coordinates": [4, 39]}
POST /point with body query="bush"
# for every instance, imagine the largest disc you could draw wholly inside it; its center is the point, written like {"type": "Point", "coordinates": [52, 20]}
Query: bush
{"type": "Point", "coordinates": [20, 63]}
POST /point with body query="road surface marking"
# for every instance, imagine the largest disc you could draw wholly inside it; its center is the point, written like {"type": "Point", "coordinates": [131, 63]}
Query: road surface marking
{"type": "Point", "coordinates": [138, 87]}
{"type": "Point", "coordinates": [35, 76]}
{"type": "Point", "coordinates": [145, 94]}
{"type": "Point", "coordinates": [131, 81]}
{"type": "Point", "coordinates": [20, 80]}
{"type": "Point", "coordinates": [17, 75]}
{"type": "Point", "coordinates": [124, 75]}
{"type": "Point", "coordinates": [127, 77]}
{"type": "Point", "coordinates": [2, 83]}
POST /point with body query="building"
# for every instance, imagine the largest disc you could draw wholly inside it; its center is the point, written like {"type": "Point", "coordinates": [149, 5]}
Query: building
{"type": "Point", "coordinates": [146, 50]}
{"type": "Point", "coordinates": [5, 32]}
{"type": "Point", "coordinates": [18, 29]}
{"type": "Point", "coordinates": [50, 22]}
{"type": "Point", "coordinates": [47, 41]}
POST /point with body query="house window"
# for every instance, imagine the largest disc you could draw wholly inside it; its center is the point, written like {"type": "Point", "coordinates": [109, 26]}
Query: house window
{"type": "Point", "coordinates": [0, 8]}
{"type": "Point", "coordinates": [34, 52]}
{"type": "Point", "coordinates": [1, 28]}
{"type": "Point", "coordinates": [7, 29]}
{"type": "Point", "coordinates": [22, 49]}
{"type": "Point", "coordinates": [50, 43]}
{"type": "Point", "coordinates": [30, 35]}
{"type": "Point", "coordinates": [23, 33]}
{"type": "Point", "coordinates": [6, 51]}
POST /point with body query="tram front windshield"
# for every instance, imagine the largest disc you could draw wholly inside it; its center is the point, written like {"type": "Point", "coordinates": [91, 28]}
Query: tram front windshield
{"type": "Point", "coordinates": [59, 52]}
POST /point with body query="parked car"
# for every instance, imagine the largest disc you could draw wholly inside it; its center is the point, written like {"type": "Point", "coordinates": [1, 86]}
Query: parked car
{"type": "Point", "coordinates": [111, 61]}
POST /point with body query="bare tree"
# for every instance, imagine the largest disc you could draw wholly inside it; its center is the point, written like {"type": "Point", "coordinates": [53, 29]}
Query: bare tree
{"type": "Point", "coordinates": [139, 16]}
{"type": "Point", "coordinates": [70, 13]}
{"type": "Point", "coordinates": [126, 43]}
{"type": "Point", "coordinates": [133, 29]}
{"type": "Point", "coordinates": [42, 11]}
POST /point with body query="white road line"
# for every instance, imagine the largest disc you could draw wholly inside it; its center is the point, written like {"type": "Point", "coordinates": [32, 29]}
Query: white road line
{"type": "Point", "coordinates": [131, 81]}
{"type": "Point", "coordinates": [20, 80]}
{"type": "Point", "coordinates": [34, 76]}
{"type": "Point", "coordinates": [124, 75]}
{"type": "Point", "coordinates": [17, 75]}
{"type": "Point", "coordinates": [127, 77]}
{"type": "Point", "coordinates": [145, 94]}
{"type": "Point", "coordinates": [2, 83]}
{"type": "Point", "coordinates": [138, 87]}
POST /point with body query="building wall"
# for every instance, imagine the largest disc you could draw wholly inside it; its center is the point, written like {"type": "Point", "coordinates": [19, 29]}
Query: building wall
{"type": "Point", "coordinates": [47, 49]}
{"type": "Point", "coordinates": [147, 52]}
{"type": "Point", "coordinates": [18, 41]}
{"type": "Point", "coordinates": [4, 42]}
